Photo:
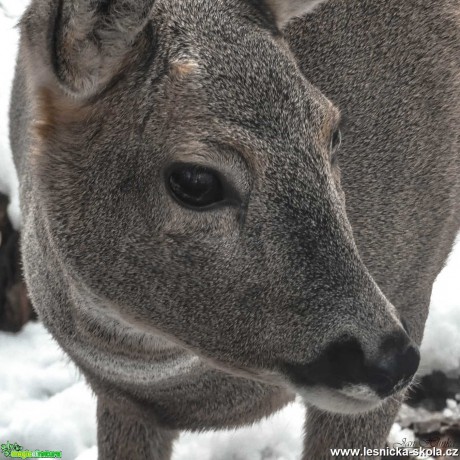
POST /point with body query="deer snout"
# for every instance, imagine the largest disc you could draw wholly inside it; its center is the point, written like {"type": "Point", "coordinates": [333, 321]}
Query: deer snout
{"type": "Point", "coordinates": [347, 367]}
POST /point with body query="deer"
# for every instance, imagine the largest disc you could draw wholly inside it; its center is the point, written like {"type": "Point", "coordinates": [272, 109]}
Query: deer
{"type": "Point", "coordinates": [229, 203]}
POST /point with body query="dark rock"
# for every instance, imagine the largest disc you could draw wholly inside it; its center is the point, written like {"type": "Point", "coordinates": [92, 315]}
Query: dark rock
{"type": "Point", "coordinates": [15, 306]}
{"type": "Point", "coordinates": [433, 391]}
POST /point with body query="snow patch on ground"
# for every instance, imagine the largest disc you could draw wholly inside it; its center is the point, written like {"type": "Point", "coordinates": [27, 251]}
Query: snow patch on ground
{"type": "Point", "coordinates": [441, 343]}
{"type": "Point", "coordinates": [45, 404]}
{"type": "Point", "coordinates": [277, 438]}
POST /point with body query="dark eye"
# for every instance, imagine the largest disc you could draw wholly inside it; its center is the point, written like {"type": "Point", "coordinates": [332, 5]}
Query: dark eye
{"type": "Point", "coordinates": [195, 186]}
{"type": "Point", "coordinates": [336, 140]}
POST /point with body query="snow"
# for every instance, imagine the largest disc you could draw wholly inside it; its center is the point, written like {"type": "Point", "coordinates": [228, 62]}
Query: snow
{"type": "Point", "coordinates": [441, 342]}
{"type": "Point", "coordinates": [45, 403]}
{"type": "Point", "coordinates": [9, 12]}
{"type": "Point", "coordinates": [277, 438]}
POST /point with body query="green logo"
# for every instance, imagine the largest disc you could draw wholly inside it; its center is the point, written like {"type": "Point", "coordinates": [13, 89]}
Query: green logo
{"type": "Point", "coordinates": [16, 451]}
{"type": "Point", "coordinates": [8, 448]}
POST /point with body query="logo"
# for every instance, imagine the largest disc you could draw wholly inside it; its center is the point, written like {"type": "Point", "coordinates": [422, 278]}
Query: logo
{"type": "Point", "coordinates": [16, 451]}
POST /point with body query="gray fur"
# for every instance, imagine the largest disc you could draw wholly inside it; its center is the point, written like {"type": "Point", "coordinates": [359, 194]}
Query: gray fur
{"type": "Point", "coordinates": [185, 318]}
{"type": "Point", "coordinates": [284, 11]}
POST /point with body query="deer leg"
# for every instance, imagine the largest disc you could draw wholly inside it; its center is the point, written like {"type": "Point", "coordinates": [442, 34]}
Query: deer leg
{"type": "Point", "coordinates": [126, 431]}
{"type": "Point", "coordinates": [325, 431]}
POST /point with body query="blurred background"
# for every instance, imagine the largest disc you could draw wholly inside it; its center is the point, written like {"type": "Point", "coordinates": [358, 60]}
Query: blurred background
{"type": "Point", "coordinates": [45, 403]}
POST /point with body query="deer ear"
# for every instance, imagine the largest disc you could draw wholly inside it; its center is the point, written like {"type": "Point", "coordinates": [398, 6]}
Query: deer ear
{"type": "Point", "coordinates": [82, 44]}
{"type": "Point", "coordinates": [285, 10]}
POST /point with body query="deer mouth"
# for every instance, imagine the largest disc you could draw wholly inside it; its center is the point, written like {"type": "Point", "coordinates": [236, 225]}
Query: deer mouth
{"type": "Point", "coordinates": [354, 399]}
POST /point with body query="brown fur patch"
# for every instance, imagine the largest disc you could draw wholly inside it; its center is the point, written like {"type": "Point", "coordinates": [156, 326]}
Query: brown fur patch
{"type": "Point", "coordinates": [44, 122]}
{"type": "Point", "coordinates": [52, 112]}
{"type": "Point", "coordinates": [181, 69]}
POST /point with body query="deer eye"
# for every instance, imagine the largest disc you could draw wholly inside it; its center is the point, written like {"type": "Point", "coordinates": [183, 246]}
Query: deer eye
{"type": "Point", "coordinates": [195, 186]}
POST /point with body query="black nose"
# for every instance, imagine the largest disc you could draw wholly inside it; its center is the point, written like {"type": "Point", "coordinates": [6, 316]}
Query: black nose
{"type": "Point", "coordinates": [393, 369]}
{"type": "Point", "coordinates": [344, 363]}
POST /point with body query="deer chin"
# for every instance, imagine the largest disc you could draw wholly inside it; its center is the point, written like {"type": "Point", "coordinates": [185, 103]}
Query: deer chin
{"type": "Point", "coordinates": [353, 399]}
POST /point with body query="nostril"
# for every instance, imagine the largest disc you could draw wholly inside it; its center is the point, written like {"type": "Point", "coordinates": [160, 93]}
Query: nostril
{"type": "Point", "coordinates": [411, 359]}
{"type": "Point", "coordinates": [342, 363]}
{"type": "Point", "coordinates": [393, 369]}
{"type": "Point", "coordinates": [381, 381]}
